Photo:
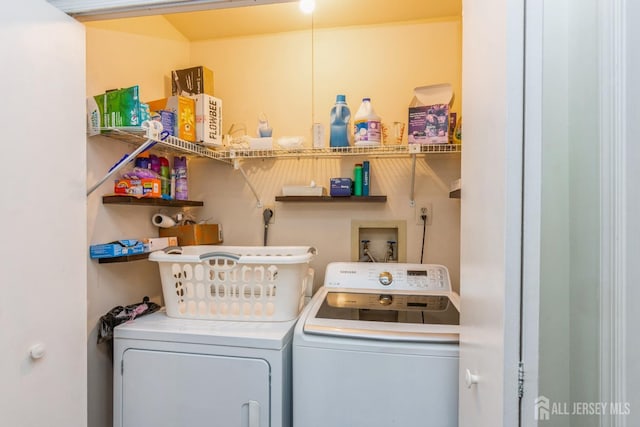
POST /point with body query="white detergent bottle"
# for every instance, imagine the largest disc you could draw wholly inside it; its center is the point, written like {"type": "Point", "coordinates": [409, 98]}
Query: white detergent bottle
{"type": "Point", "coordinates": [367, 130]}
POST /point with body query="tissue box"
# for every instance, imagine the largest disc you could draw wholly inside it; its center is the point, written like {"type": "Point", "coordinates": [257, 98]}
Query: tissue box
{"type": "Point", "coordinates": [145, 187]}
{"type": "Point", "coordinates": [184, 110]}
{"type": "Point", "coordinates": [208, 120]}
{"type": "Point", "coordinates": [115, 108]}
{"type": "Point", "coordinates": [429, 114]}
{"type": "Point", "coordinates": [117, 248]}
{"type": "Point", "coordinates": [192, 81]}
{"type": "Point", "coordinates": [302, 190]}
{"type": "Point", "coordinates": [194, 234]}
{"type": "Point", "coordinates": [261, 143]}
{"type": "Point", "coordinates": [340, 187]}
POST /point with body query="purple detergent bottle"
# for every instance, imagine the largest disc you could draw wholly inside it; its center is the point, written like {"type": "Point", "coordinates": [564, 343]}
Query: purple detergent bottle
{"type": "Point", "coordinates": [180, 166]}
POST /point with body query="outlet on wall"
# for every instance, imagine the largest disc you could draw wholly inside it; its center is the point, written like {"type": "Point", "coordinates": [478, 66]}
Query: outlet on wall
{"type": "Point", "coordinates": [273, 210]}
{"type": "Point", "coordinates": [422, 208]}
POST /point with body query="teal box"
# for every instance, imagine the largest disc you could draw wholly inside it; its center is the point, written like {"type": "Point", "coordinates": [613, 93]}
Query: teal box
{"type": "Point", "coordinates": [117, 248]}
{"type": "Point", "coordinates": [116, 108]}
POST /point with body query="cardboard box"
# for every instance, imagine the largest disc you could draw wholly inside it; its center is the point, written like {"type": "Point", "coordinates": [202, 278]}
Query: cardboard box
{"type": "Point", "coordinates": [117, 248]}
{"type": "Point", "coordinates": [208, 120]}
{"type": "Point", "coordinates": [192, 81]}
{"type": "Point", "coordinates": [429, 114]}
{"type": "Point", "coordinates": [194, 234]}
{"type": "Point", "coordinates": [159, 243]}
{"type": "Point", "coordinates": [115, 108]}
{"type": "Point", "coordinates": [340, 187]}
{"type": "Point", "coordinates": [184, 110]}
{"type": "Point", "coordinates": [145, 187]}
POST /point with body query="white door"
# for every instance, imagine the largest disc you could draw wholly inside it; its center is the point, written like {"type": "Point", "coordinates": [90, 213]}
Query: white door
{"type": "Point", "coordinates": [43, 244]}
{"type": "Point", "coordinates": [168, 389]}
{"type": "Point", "coordinates": [490, 258]}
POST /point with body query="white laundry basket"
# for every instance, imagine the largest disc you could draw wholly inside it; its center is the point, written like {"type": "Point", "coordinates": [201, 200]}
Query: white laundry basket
{"type": "Point", "coordinates": [255, 283]}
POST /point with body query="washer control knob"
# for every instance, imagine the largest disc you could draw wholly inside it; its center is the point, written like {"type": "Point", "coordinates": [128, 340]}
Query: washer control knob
{"type": "Point", "coordinates": [385, 278]}
{"type": "Point", "coordinates": [385, 300]}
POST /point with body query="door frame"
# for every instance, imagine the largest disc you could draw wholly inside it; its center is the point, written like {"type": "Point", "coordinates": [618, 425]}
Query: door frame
{"type": "Point", "coordinates": [612, 91]}
{"type": "Point", "coordinates": [612, 54]}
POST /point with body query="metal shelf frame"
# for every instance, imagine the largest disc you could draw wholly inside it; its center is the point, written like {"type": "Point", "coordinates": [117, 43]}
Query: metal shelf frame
{"type": "Point", "coordinates": [228, 155]}
{"type": "Point", "coordinates": [149, 136]}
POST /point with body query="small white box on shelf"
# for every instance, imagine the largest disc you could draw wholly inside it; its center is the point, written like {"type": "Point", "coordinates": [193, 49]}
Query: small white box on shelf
{"type": "Point", "coordinates": [302, 190]}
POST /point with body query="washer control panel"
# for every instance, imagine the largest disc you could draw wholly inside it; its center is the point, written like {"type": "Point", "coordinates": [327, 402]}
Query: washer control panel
{"type": "Point", "coordinates": [398, 276]}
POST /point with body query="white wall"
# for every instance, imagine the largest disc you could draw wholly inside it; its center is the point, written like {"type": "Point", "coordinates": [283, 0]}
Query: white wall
{"type": "Point", "coordinates": [43, 252]}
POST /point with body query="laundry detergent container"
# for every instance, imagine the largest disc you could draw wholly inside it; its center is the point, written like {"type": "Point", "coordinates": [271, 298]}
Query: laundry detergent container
{"type": "Point", "coordinates": [251, 283]}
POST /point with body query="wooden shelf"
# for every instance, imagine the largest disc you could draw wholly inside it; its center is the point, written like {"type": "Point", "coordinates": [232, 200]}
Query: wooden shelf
{"type": "Point", "coordinates": [329, 199]}
{"type": "Point", "coordinates": [455, 194]}
{"type": "Point", "coordinates": [125, 258]}
{"type": "Point", "coordinates": [148, 201]}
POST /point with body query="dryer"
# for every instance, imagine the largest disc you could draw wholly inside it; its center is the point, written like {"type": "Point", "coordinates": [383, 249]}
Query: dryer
{"type": "Point", "coordinates": [182, 372]}
{"type": "Point", "coordinates": [378, 346]}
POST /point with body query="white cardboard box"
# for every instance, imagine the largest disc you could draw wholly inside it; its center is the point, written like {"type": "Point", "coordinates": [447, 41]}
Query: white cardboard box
{"type": "Point", "coordinates": [208, 120]}
{"type": "Point", "coordinates": [158, 243]}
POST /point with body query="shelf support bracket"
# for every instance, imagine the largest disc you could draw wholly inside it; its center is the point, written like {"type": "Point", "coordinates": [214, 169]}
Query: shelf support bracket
{"type": "Point", "coordinates": [238, 166]}
{"type": "Point", "coordinates": [121, 163]}
{"type": "Point", "coordinates": [412, 198]}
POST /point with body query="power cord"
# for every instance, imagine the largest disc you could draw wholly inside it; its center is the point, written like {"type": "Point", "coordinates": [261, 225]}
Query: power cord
{"type": "Point", "coordinates": [424, 233]}
{"type": "Point", "coordinates": [266, 215]}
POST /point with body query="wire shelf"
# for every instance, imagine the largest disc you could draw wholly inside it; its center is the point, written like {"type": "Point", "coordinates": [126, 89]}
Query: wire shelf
{"type": "Point", "coordinates": [229, 155]}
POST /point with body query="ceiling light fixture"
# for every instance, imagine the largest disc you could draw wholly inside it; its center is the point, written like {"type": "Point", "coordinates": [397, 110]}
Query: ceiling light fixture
{"type": "Point", "coordinates": [307, 6]}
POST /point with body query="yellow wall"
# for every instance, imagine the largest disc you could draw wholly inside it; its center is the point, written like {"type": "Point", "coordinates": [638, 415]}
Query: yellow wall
{"type": "Point", "coordinates": [271, 73]}
{"type": "Point", "coordinates": [295, 77]}
{"type": "Point", "coordinates": [120, 54]}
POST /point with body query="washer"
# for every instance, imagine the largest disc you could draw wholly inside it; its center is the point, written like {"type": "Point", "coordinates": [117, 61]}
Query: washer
{"type": "Point", "coordinates": [182, 372]}
{"type": "Point", "coordinates": [378, 346]}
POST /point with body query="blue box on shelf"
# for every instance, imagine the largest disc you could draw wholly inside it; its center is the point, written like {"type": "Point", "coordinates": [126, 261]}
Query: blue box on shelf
{"type": "Point", "coordinates": [340, 187]}
{"type": "Point", "coordinates": [117, 248]}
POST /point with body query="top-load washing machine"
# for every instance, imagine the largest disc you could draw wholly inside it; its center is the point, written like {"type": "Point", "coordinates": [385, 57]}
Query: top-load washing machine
{"type": "Point", "coordinates": [378, 346]}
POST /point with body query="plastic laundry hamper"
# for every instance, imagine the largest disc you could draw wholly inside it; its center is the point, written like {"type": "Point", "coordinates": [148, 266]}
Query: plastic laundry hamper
{"type": "Point", "coordinates": [254, 283]}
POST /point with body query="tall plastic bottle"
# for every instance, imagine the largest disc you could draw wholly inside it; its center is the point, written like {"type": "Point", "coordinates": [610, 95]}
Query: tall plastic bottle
{"type": "Point", "coordinates": [165, 172]}
{"type": "Point", "coordinates": [180, 166]}
{"type": "Point", "coordinates": [357, 180]}
{"type": "Point", "coordinates": [340, 118]}
{"type": "Point", "coordinates": [367, 130]}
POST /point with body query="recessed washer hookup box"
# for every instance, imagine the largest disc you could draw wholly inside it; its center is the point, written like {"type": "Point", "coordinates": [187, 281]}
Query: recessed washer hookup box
{"type": "Point", "coordinates": [340, 187]}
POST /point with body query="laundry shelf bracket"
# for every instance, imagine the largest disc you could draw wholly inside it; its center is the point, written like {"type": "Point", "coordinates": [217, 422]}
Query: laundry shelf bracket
{"type": "Point", "coordinates": [238, 166]}
{"type": "Point", "coordinates": [412, 196]}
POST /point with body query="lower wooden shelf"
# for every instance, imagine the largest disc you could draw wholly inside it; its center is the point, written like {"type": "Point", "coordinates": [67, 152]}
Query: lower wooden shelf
{"type": "Point", "coordinates": [148, 201]}
{"type": "Point", "coordinates": [329, 199]}
{"type": "Point", "coordinates": [124, 258]}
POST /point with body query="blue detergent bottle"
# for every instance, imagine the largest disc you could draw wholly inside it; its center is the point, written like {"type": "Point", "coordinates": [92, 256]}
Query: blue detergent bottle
{"type": "Point", "coordinates": [340, 118]}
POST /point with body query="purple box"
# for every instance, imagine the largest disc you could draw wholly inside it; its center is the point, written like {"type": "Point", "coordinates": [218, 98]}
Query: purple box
{"type": "Point", "coordinates": [429, 114]}
{"type": "Point", "coordinates": [168, 120]}
{"type": "Point", "coordinates": [340, 187]}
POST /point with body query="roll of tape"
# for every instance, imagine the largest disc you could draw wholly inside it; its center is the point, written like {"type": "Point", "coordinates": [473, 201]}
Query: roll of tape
{"type": "Point", "coordinates": [163, 221]}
